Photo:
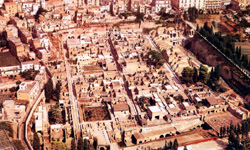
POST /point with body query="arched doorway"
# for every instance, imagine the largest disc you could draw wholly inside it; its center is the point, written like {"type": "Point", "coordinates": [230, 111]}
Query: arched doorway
{"type": "Point", "coordinates": [102, 148]}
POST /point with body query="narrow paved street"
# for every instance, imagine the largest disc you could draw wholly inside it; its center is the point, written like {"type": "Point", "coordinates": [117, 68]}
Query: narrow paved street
{"type": "Point", "coordinates": [130, 102]}
{"type": "Point", "coordinates": [73, 100]}
{"type": "Point", "coordinates": [173, 77]}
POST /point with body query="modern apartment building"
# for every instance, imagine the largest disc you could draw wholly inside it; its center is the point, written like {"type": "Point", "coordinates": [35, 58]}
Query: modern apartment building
{"type": "Point", "coordinates": [213, 4]}
{"type": "Point", "coordinates": [81, 3]}
{"type": "Point", "coordinates": [185, 4]}
{"type": "Point", "coordinates": [12, 8]}
{"type": "Point", "coordinates": [199, 4]}
{"type": "Point", "coordinates": [162, 4]}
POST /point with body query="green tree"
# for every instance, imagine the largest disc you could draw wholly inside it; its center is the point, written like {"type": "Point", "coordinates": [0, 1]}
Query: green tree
{"type": "Point", "coordinates": [238, 128]}
{"type": "Point", "coordinates": [86, 144]}
{"type": "Point", "coordinates": [228, 130]}
{"type": "Point", "coordinates": [179, 97]}
{"type": "Point", "coordinates": [18, 82]}
{"type": "Point", "coordinates": [39, 12]}
{"type": "Point", "coordinates": [162, 12]}
{"type": "Point", "coordinates": [195, 76]}
{"type": "Point", "coordinates": [193, 13]}
{"type": "Point", "coordinates": [55, 115]}
{"type": "Point", "coordinates": [203, 74]}
{"type": "Point", "coordinates": [58, 145]}
{"type": "Point", "coordinates": [175, 145]}
{"type": "Point", "coordinates": [170, 144]}
{"type": "Point", "coordinates": [95, 143]}
{"type": "Point", "coordinates": [139, 18]}
{"type": "Point", "coordinates": [187, 75]}
{"type": "Point", "coordinates": [197, 28]}
{"type": "Point", "coordinates": [36, 142]}
{"type": "Point", "coordinates": [49, 90]}
{"type": "Point", "coordinates": [221, 131]}
{"type": "Point", "coordinates": [58, 90]}
{"type": "Point", "coordinates": [217, 72]}
{"type": "Point", "coordinates": [13, 89]}
{"type": "Point", "coordinates": [212, 77]}
{"type": "Point", "coordinates": [155, 58]}
{"type": "Point", "coordinates": [73, 144]}
{"type": "Point", "coordinates": [152, 101]}
{"type": "Point", "coordinates": [244, 60]}
{"type": "Point", "coordinates": [80, 144]}
{"type": "Point", "coordinates": [233, 141]}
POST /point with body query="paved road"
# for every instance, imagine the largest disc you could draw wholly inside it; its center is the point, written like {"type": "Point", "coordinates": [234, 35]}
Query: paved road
{"type": "Point", "coordinates": [21, 128]}
{"type": "Point", "coordinates": [30, 110]}
{"type": "Point", "coordinates": [73, 100]}
{"type": "Point", "coordinates": [190, 24]}
{"type": "Point", "coordinates": [174, 77]}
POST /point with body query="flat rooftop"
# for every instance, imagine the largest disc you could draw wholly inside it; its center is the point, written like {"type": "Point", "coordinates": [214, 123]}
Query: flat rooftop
{"type": "Point", "coordinates": [92, 68]}
{"type": "Point", "coordinates": [121, 107]}
{"type": "Point", "coordinates": [154, 109]}
{"type": "Point", "coordinates": [29, 85]}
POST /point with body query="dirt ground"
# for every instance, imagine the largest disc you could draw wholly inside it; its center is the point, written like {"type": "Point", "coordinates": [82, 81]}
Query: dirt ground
{"type": "Point", "coordinates": [207, 18]}
{"type": "Point", "coordinates": [94, 113]}
{"type": "Point", "coordinates": [183, 139]}
{"type": "Point", "coordinates": [209, 145]}
{"type": "Point", "coordinates": [206, 54]}
{"type": "Point", "coordinates": [189, 138]}
{"type": "Point", "coordinates": [221, 120]}
{"type": "Point", "coordinates": [224, 26]}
